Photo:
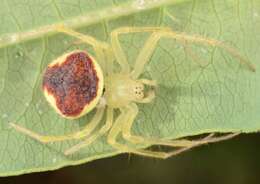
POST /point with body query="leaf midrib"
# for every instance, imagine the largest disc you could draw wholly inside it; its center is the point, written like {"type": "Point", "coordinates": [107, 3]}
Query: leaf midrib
{"type": "Point", "coordinates": [107, 13]}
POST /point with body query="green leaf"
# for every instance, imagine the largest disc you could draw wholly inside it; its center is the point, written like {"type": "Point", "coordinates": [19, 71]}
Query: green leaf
{"type": "Point", "coordinates": [190, 100]}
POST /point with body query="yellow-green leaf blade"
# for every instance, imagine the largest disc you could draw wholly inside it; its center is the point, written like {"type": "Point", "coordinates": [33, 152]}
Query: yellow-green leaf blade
{"type": "Point", "coordinates": [222, 97]}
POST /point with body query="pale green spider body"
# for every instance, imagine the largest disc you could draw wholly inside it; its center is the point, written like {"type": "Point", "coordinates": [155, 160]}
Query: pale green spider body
{"type": "Point", "coordinates": [124, 90]}
{"type": "Point", "coordinates": [121, 90]}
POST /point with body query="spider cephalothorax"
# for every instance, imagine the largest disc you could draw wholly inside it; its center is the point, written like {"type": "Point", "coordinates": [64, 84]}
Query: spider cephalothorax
{"type": "Point", "coordinates": [73, 84]}
{"type": "Point", "coordinates": [121, 90]}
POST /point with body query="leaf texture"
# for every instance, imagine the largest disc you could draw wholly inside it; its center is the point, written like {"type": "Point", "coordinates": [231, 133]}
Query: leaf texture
{"type": "Point", "coordinates": [223, 96]}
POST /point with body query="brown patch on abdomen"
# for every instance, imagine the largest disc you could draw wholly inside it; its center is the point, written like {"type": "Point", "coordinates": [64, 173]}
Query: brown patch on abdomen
{"type": "Point", "coordinates": [73, 84]}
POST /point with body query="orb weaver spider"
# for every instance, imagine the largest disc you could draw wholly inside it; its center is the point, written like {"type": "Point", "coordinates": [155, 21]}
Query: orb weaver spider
{"type": "Point", "coordinates": [122, 91]}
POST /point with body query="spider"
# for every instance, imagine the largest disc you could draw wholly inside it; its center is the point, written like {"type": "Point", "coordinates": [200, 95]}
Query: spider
{"type": "Point", "coordinates": [104, 89]}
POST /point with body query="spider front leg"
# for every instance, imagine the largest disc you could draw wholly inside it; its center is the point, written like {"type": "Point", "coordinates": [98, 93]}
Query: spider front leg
{"type": "Point", "coordinates": [182, 143]}
{"type": "Point", "coordinates": [77, 135]}
{"type": "Point", "coordinates": [148, 82]}
{"type": "Point", "coordinates": [117, 49]}
{"type": "Point", "coordinates": [101, 48]}
{"type": "Point", "coordinates": [150, 45]}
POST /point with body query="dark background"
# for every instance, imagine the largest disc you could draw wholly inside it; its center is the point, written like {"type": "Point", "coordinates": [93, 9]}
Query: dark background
{"type": "Point", "coordinates": [235, 161]}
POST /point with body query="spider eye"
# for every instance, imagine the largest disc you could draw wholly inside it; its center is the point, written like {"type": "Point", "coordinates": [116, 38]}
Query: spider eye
{"type": "Point", "coordinates": [138, 91]}
{"type": "Point", "coordinates": [73, 84]}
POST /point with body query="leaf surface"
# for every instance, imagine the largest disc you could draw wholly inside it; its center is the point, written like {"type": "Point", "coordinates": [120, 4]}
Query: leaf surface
{"type": "Point", "coordinates": [190, 100]}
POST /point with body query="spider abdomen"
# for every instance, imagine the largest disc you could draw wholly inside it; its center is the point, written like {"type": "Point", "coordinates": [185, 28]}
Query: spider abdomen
{"type": "Point", "coordinates": [73, 84]}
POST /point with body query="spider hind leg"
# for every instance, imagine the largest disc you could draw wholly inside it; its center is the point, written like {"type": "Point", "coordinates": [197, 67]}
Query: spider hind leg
{"type": "Point", "coordinates": [182, 145]}
{"type": "Point", "coordinates": [87, 130]}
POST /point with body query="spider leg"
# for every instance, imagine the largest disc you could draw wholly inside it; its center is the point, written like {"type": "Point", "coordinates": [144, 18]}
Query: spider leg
{"type": "Point", "coordinates": [98, 46]}
{"type": "Point", "coordinates": [148, 82]}
{"type": "Point", "coordinates": [182, 143]}
{"type": "Point", "coordinates": [116, 130]}
{"type": "Point", "coordinates": [77, 135]}
{"type": "Point", "coordinates": [119, 53]}
{"type": "Point", "coordinates": [110, 61]}
{"type": "Point", "coordinates": [150, 45]}
{"type": "Point", "coordinates": [117, 49]}
{"type": "Point", "coordinates": [90, 139]}
{"type": "Point", "coordinates": [164, 155]}
{"type": "Point", "coordinates": [201, 62]}
{"type": "Point", "coordinates": [126, 117]}
{"type": "Point", "coordinates": [210, 42]}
